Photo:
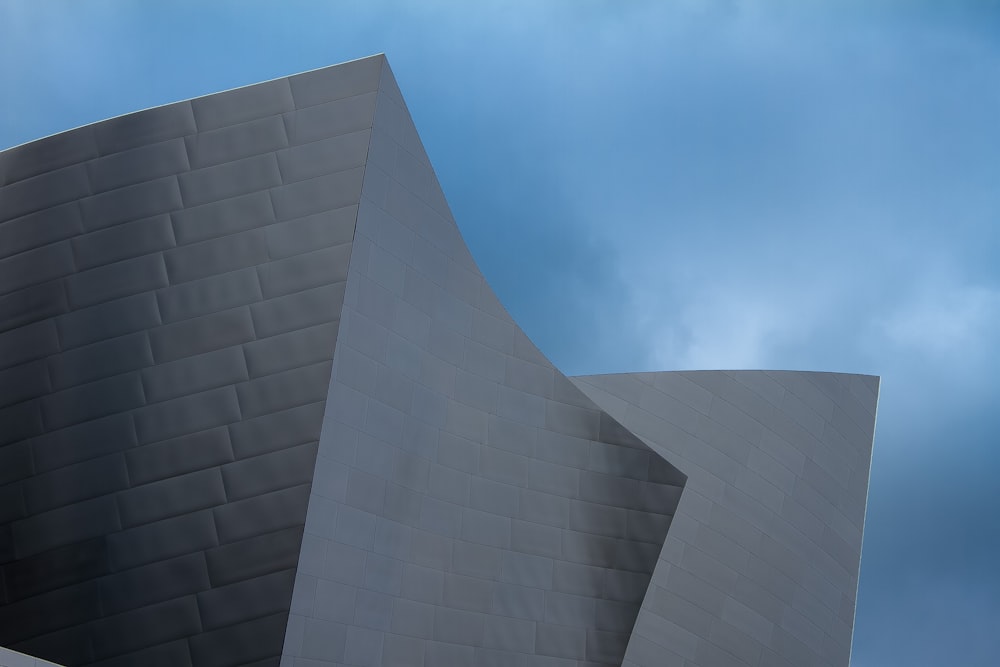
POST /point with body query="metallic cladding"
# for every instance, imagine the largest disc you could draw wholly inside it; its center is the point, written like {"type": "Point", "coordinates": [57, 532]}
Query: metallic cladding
{"type": "Point", "coordinates": [258, 406]}
{"type": "Point", "coordinates": [170, 293]}
{"type": "Point", "coordinates": [761, 563]}
{"type": "Point", "coordinates": [470, 505]}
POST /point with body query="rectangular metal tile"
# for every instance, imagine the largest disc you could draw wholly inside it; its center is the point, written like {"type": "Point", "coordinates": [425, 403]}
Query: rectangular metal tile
{"type": "Point", "coordinates": [123, 241]}
{"type": "Point", "coordinates": [220, 255]}
{"type": "Point", "coordinates": [146, 626]}
{"type": "Point", "coordinates": [277, 430]}
{"type": "Point", "coordinates": [171, 654]}
{"type": "Point", "coordinates": [20, 421]}
{"type": "Point", "coordinates": [188, 453]}
{"type": "Point", "coordinates": [98, 360]}
{"type": "Point", "coordinates": [235, 142]}
{"type": "Point", "coordinates": [43, 191]}
{"type": "Point", "coordinates": [173, 496]}
{"type": "Point", "coordinates": [284, 390]}
{"type": "Point", "coordinates": [325, 156]}
{"type": "Point", "coordinates": [298, 310]}
{"type": "Point", "coordinates": [262, 514]}
{"type": "Point", "coordinates": [242, 104]}
{"type": "Point", "coordinates": [291, 350]}
{"type": "Point", "coordinates": [208, 295]}
{"type": "Point", "coordinates": [322, 193]}
{"type": "Point", "coordinates": [56, 568]}
{"type": "Point", "coordinates": [71, 484]}
{"type": "Point", "coordinates": [20, 383]}
{"type": "Point", "coordinates": [246, 600]}
{"type": "Point", "coordinates": [81, 442]}
{"type": "Point", "coordinates": [73, 523]}
{"type": "Point", "coordinates": [240, 644]}
{"type": "Point", "coordinates": [269, 472]}
{"type": "Point", "coordinates": [95, 399]}
{"type": "Point", "coordinates": [145, 127]}
{"type": "Point", "coordinates": [254, 557]}
{"type": "Point", "coordinates": [48, 154]}
{"type": "Point", "coordinates": [187, 414]}
{"type": "Point", "coordinates": [349, 114]}
{"type": "Point", "coordinates": [313, 269]}
{"type": "Point", "coordinates": [36, 266]}
{"type": "Point", "coordinates": [115, 281]}
{"type": "Point", "coordinates": [33, 341]}
{"type": "Point", "coordinates": [201, 334]}
{"type": "Point", "coordinates": [107, 320]}
{"type": "Point", "coordinates": [331, 83]}
{"type": "Point", "coordinates": [194, 374]}
{"type": "Point", "coordinates": [32, 304]}
{"type": "Point", "coordinates": [161, 540]}
{"type": "Point", "coordinates": [47, 613]}
{"type": "Point", "coordinates": [153, 583]}
{"type": "Point", "coordinates": [145, 163]}
{"type": "Point", "coordinates": [229, 179]}
{"type": "Point", "coordinates": [143, 200]}
{"type": "Point", "coordinates": [319, 230]}
{"type": "Point", "coordinates": [227, 216]}
{"type": "Point", "coordinates": [39, 229]}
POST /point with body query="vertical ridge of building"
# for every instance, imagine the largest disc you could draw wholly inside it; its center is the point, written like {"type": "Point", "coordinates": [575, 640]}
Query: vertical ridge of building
{"type": "Point", "coordinates": [470, 505]}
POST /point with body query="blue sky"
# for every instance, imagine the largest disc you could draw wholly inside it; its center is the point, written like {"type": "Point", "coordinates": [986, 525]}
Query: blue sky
{"type": "Point", "coordinates": [695, 184]}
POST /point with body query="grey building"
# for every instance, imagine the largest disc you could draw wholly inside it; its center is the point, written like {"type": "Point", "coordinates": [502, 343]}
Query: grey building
{"type": "Point", "coordinates": [258, 406]}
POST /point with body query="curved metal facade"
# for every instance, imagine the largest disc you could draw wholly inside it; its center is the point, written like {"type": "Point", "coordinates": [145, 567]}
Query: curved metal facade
{"type": "Point", "coordinates": [259, 406]}
{"type": "Point", "coordinates": [172, 287]}
{"type": "Point", "coordinates": [470, 505]}
{"type": "Point", "coordinates": [761, 563]}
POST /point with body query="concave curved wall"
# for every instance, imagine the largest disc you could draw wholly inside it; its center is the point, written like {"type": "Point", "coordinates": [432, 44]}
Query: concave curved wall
{"type": "Point", "coordinates": [471, 506]}
{"type": "Point", "coordinates": [258, 405]}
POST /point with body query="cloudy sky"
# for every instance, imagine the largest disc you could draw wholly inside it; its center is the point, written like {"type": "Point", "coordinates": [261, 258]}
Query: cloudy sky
{"type": "Point", "coordinates": [693, 184]}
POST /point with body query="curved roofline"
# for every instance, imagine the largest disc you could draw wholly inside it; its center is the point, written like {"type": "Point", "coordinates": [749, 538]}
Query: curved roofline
{"type": "Point", "coordinates": [186, 99]}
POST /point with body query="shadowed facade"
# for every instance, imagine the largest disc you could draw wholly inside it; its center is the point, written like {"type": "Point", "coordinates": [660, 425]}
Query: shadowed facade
{"type": "Point", "coordinates": [172, 292]}
{"type": "Point", "coordinates": [259, 406]}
